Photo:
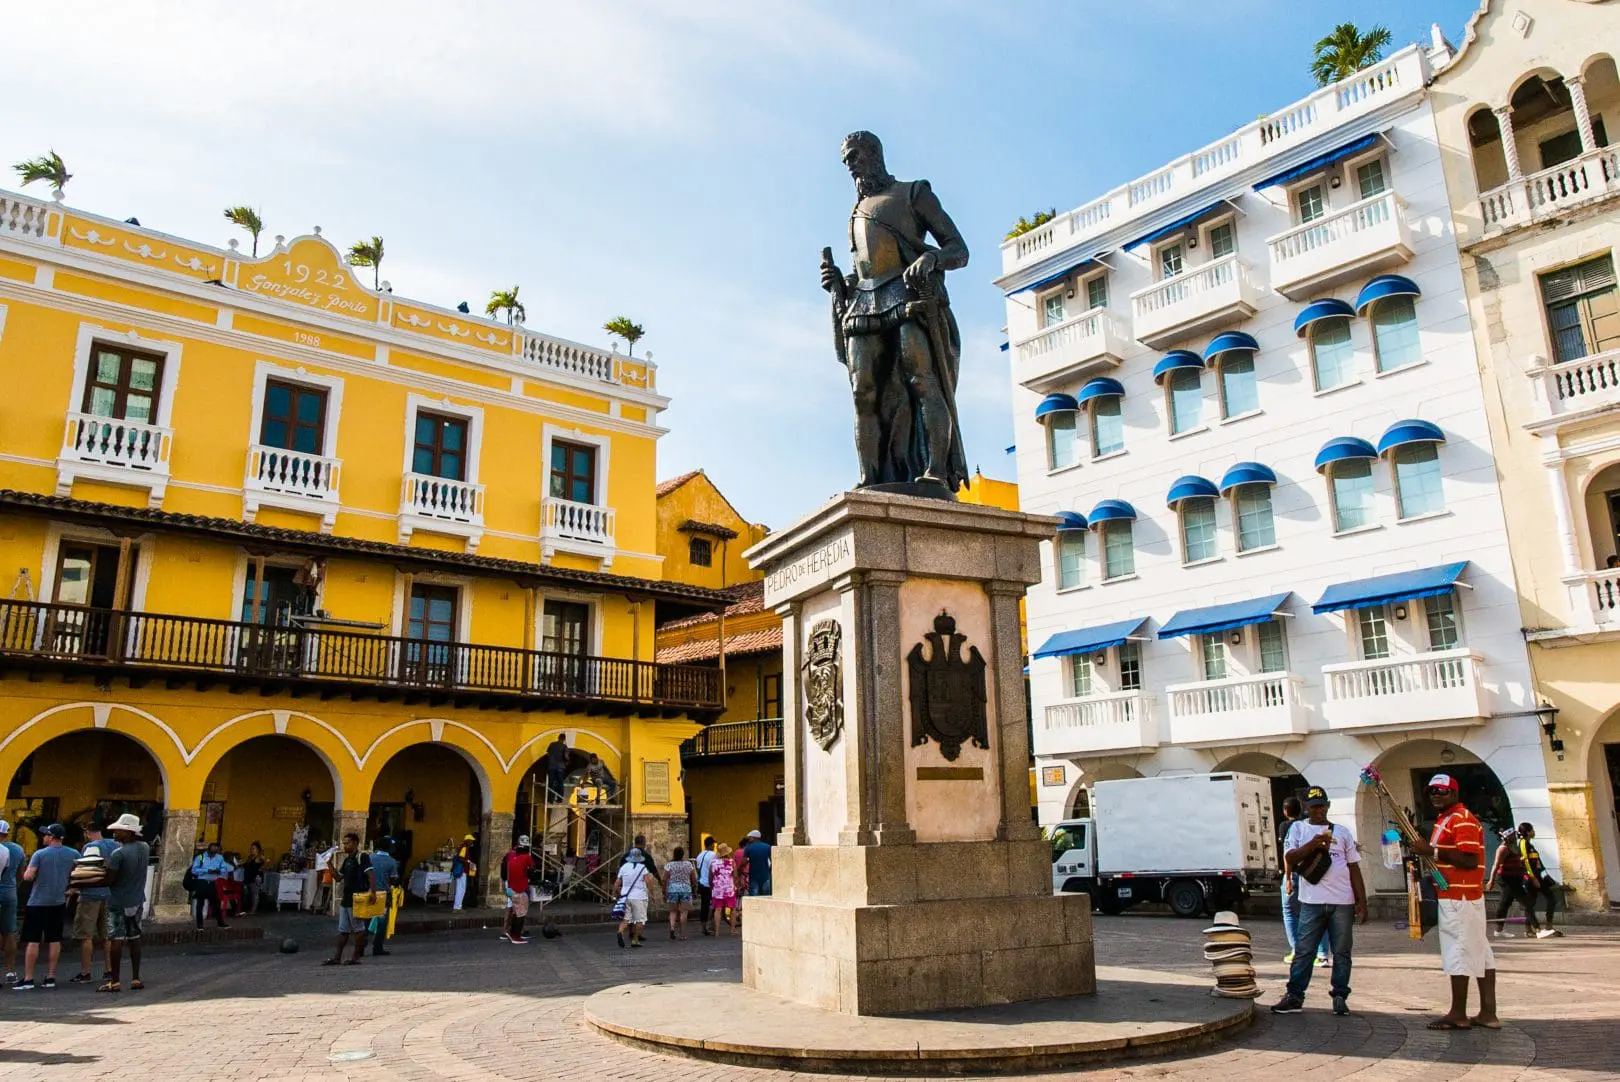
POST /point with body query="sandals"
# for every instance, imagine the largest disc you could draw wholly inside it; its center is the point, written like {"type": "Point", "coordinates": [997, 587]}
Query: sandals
{"type": "Point", "coordinates": [136, 985]}
{"type": "Point", "coordinates": [1448, 1024]}
{"type": "Point", "coordinates": [110, 986]}
{"type": "Point", "coordinates": [332, 962]}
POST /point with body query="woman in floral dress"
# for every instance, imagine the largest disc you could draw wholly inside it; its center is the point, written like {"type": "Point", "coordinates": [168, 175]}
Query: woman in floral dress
{"type": "Point", "coordinates": [723, 888]}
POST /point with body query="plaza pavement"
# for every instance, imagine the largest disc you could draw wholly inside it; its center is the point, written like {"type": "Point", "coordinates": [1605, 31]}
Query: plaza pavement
{"type": "Point", "coordinates": [466, 1006]}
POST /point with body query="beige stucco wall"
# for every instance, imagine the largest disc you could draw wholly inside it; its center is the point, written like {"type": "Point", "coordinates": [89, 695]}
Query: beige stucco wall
{"type": "Point", "coordinates": [1505, 44]}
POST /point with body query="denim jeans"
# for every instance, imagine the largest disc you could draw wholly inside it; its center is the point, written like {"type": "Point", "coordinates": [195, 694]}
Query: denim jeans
{"type": "Point", "coordinates": [1315, 922]}
{"type": "Point", "coordinates": [1290, 917]}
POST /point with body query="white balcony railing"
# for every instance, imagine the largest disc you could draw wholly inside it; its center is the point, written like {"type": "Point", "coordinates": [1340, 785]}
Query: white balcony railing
{"type": "Point", "coordinates": [1238, 710]}
{"type": "Point", "coordinates": [1409, 692]}
{"type": "Point", "coordinates": [108, 441]}
{"type": "Point", "coordinates": [116, 451]}
{"type": "Point", "coordinates": [442, 498]}
{"type": "Point", "coordinates": [1090, 342]}
{"type": "Point", "coordinates": [1542, 195]}
{"type": "Point", "coordinates": [1578, 387]}
{"type": "Point", "coordinates": [1595, 598]}
{"type": "Point", "coordinates": [1366, 91]}
{"type": "Point", "coordinates": [576, 527]}
{"type": "Point", "coordinates": [1204, 297]}
{"type": "Point", "coordinates": [1363, 238]}
{"type": "Point", "coordinates": [1122, 721]}
{"type": "Point", "coordinates": [585, 362]}
{"type": "Point", "coordinates": [292, 473]}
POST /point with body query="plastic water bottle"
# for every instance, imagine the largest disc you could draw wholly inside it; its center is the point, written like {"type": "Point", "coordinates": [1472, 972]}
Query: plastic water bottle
{"type": "Point", "coordinates": [1392, 848]}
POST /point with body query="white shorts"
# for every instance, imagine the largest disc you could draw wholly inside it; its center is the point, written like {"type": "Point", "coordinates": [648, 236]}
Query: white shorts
{"type": "Point", "coordinates": [635, 910]}
{"type": "Point", "coordinates": [1465, 948]}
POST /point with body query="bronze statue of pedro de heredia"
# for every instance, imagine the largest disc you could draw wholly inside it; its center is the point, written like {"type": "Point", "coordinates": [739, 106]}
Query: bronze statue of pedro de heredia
{"type": "Point", "coordinates": [894, 331]}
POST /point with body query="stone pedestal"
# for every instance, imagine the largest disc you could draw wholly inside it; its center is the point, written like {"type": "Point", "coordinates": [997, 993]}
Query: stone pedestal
{"type": "Point", "coordinates": [909, 875]}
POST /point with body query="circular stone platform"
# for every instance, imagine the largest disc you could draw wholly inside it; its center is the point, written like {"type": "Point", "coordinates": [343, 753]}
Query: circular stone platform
{"type": "Point", "coordinates": [1135, 1013]}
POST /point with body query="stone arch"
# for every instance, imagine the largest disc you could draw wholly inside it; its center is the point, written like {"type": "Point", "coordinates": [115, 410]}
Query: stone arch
{"type": "Point", "coordinates": [1594, 543]}
{"type": "Point", "coordinates": [1485, 151]}
{"type": "Point", "coordinates": [1485, 793]}
{"type": "Point", "coordinates": [1543, 71]}
{"type": "Point", "coordinates": [529, 753]}
{"type": "Point", "coordinates": [328, 743]}
{"type": "Point", "coordinates": [154, 735]}
{"type": "Point", "coordinates": [75, 769]}
{"type": "Point", "coordinates": [1590, 65]}
{"type": "Point", "coordinates": [1604, 781]}
{"type": "Point", "coordinates": [1286, 779]}
{"type": "Point", "coordinates": [492, 772]}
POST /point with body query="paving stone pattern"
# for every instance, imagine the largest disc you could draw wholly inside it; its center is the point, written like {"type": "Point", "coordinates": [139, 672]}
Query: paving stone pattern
{"type": "Point", "coordinates": [469, 1007]}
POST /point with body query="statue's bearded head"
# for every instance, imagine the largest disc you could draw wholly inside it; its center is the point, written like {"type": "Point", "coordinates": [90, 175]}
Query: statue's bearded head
{"type": "Point", "coordinates": [863, 157]}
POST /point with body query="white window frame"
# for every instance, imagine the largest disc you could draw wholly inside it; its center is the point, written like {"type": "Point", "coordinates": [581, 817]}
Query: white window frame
{"type": "Point", "coordinates": [473, 415]}
{"type": "Point", "coordinates": [1052, 463]}
{"type": "Point", "coordinates": [1057, 561]}
{"type": "Point", "coordinates": [1333, 496]}
{"type": "Point", "coordinates": [1159, 252]}
{"type": "Point", "coordinates": [90, 334]}
{"type": "Point", "coordinates": [1102, 549]}
{"type": "Point", "coordinates": [1119, 666]}
{"type": "Point", "coordinates": [1084, 291]}
{"type": "Point", "coordinates": [1220, 384]}
{"type": "Point", "coordinates": [1358, 639]}
{"type": "Point", "coordinates": [1076, 663]}
{"type": "Point", "coordinates": [1206, 235]}
{"type": "Point", "coordinates": [1352, 377]}
{"type": "Point", "coordinates": [464, 597]}
{"type": "Point", "coordinates": [603, 445]}
{"type": "Point", "coordinates": [593, 602]}
{"type": "Point", "coordinates": [1237, 521]}
{"type": "Point", "coordinates": [1318, 180]}
{"type": "Point", "coordinates": [1259, 647]}
{"type": "Point", "coordinates": [1203, 641]}
{"type": "Point", "coordinates": [1061, 293]}
{"type": "Point", "coordinates": [1457, 618]}
{"type": "Point", "coordinates": [1091, 426]}
{"type": "Point", "coordinates": [1170, 403]}
{"type": "Point", "coordinates": [244, 569]}
{"type": "Point", "coordinates": [56, 533]}
{"type": "Point", "coordinates": [1372, 334]}
{"type": "Point", "coordinates": [265, 371]}
{"type": "Point", "coordinates": [1351, 166]}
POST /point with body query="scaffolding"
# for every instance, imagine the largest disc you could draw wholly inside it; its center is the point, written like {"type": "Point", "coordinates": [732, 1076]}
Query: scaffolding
{"type": "Point", "coordinates": [582, 835]}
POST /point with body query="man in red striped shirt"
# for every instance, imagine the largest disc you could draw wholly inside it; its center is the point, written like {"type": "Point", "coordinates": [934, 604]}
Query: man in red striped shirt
{"type": "Point", "coordinates": [1458, 846]}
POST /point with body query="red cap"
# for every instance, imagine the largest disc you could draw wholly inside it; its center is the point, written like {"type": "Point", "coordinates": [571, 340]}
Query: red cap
{"type": "Point", "coordinates": [1443, 781]}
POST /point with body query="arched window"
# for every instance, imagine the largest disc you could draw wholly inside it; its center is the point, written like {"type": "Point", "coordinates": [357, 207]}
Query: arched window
{"type": "Point", "coordinates": [1251, 515]}
{"type": "Point", "coordinates": [1198, 529]}
{"type": "Point", "coordinates": [1333, 359]}
{"type": "Point", "coordinates": [1185, 388]}
{"type": "Point", "coordinates": [1350, 484]}
{"type": "Point", "coordinates": [1119, 550]}
{"type": "Point", "coordinates": [1062, 445]}
{"type": "Point", "coordinates": [1107, 426]}
{"type": "Point", "coordinates": [1395, 333]}
{"type": "Point", "coordinates": [1418, 488]}
{"type": "Point", "coordinates": [1070, 548]}
{"type": "Point", "coordinates": [1239, 392]}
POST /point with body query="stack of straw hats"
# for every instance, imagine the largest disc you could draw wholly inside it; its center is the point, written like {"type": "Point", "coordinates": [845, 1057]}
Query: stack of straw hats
{"type": "Point", "coordinates": [1226, 948]}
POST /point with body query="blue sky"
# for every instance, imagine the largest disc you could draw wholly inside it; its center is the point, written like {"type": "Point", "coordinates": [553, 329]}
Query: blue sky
{"type": "Point", "coordinates": [674, 162]}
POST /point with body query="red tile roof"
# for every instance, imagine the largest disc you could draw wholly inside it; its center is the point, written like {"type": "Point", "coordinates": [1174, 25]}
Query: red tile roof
{"type": "Point", "coordinates": [666, 487]}
{"type": "Point", "coordinates": [749, 598]}
{"type": "Point", "coordinates": [765, 640]}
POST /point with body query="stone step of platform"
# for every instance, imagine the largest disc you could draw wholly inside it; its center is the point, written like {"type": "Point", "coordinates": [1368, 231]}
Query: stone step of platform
{"type": "Point", "coordinates": [1135, 1013]}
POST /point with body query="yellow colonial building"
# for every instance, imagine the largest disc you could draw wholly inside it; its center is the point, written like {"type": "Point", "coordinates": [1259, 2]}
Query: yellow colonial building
{"type": "Point", "coordinates": [286, 551]}
{"type": "Point", "coordinates": [1525, 111]}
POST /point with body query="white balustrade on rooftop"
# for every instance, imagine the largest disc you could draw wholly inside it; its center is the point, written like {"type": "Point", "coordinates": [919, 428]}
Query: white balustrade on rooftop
{"type": "Point", "coordinates": [1122, 721]}
{"type": "Point", "coordinates": [1242, 709]}
{"type": "Point", "coordinates": [566, 357]}
{"type": "Point", "coordinates": [1197, 300]}
{"type": "Point", "coordinates": [23, 217]}
{"type": "Point", "coordinates": [1593, 175]}
{"type": "Point", "coordinates": [1404, 693]}
{"type": "Point", "coordinates": [1091, 341]}
{"type": "Point", "coordinates": [292, 473]}
{"type": "Point", "coordinates": [442, 498]}
{"type": "Point", "coordinates": [1355, 242]}
{"type": "Point", "coordinates": [1590, 383]}
{"type": "Point", "coordinates": [1327, 108]}
{"type": "Point", "coordinates": [108, 441]}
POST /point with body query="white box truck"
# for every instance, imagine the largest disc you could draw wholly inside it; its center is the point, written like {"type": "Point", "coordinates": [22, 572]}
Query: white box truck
{"type": "Point", "coordinates": [1197, 842]}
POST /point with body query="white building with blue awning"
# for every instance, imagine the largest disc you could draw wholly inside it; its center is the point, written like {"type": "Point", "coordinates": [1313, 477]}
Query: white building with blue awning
{"type": "Point", "coordinates": [1247, 385]}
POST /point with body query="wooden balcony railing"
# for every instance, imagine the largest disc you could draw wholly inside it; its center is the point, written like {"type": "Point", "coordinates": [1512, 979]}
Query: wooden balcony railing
{"type": "Point", "coordinates": [735, 738]}
{"type": "Point", "coordinates": [43, 635]}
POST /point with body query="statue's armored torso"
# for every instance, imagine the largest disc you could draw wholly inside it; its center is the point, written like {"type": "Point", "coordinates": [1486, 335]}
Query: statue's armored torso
{"type": "Point", "coordinates": [885, 237]}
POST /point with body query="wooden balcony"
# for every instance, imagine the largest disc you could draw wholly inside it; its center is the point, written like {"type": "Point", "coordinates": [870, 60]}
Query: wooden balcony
{"type": "Point", "coordinates": [313, 660]}
{"type": "Point", "coordinates": [729, 738]}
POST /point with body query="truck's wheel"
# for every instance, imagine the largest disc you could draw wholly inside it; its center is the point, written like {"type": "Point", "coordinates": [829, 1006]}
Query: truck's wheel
{"type": "Point", "coordinates": [1185, 898]}
{"type": "Point", "coordinates": [1107, 904]}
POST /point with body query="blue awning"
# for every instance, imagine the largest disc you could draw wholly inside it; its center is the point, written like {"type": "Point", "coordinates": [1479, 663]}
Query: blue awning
{"type": "Point", "coordinates": [1070, 520]}
{"type": "Point", "coordinates": [1321, 161]}
{"type": "Point", "coordinates": [1386, 589]}
{"type": "Point", "coordinates": [1247, 473]}
{"type": "Point", "coordinates": [1225, 617]}
{"type": "Point", "coordinates": [1101, 387]}
{"type": "Point", "coordinates": [1111, 511]}
{"type": "Point", "coordinates": [1058, 276]}
{"type": "Point", "coordinates": [1005, 346]}
{"type": "Point", "coordinates": [1385, 285]}
{"type": "Point", "coordinates": [1176, 358]}
{"type": "Point", "coordinates": [1226, 343]}
{"type": "Point", "coordinates": [1332, 308]}
{"type": "Point", "coordinates": [1185, 488]}
{"type": "Point", "coordinates": [1090, 640]}
{"type": "Point", "coordinates": [1056, 403]}
{"type": "Point", "coordinates": [1409, 431]}
{"type": "Point", "coordinates": [1176, 226]}
{"type": "Point", "coordinates": [1342, 448]}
